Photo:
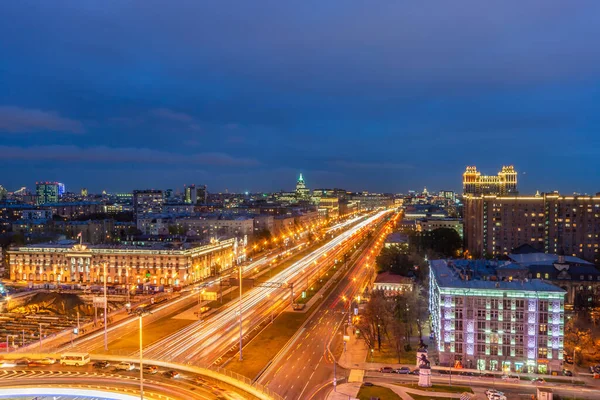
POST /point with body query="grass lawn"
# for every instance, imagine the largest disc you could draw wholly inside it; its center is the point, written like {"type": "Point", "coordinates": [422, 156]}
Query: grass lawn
{"type": "Point", "coordinates": [264, 347]}
{"type": "Point", "coordinates": [419, 397]}
{"type": "Point", "coordinates": [267, 344]}
{"type": "Point", "coordinates": [387, 355]}
{"type": "Point", "coordinates": [564, 381]}
{"type": "Point", "coordinates": [437, 388]}
{"type": "Point", "coordinates": [152, 332]}
{"type": "Point", "coordinates": [366, 392]}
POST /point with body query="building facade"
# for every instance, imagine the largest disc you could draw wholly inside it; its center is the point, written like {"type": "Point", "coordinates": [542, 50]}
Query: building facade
{"type": "Point", "coordinates": [147, 201]}
{"type": "Point", "coordinates": [502, 184]}
{"type": "Point", "coordinates": [495, 325]}
{"type": "Point", "coordinates": [76, 209]}
{"type": "Point", "coordinates": [494, 225]}
{"type": "Point", "coordinates": [48, 192]}
{"type": "Point", "coordinates": [155, 264]}
{"type": "Point", "coordinates": [431, 224]}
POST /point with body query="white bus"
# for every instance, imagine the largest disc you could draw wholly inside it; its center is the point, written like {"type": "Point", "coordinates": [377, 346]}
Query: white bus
{"type": "Point", "coordinates": [75, 359]}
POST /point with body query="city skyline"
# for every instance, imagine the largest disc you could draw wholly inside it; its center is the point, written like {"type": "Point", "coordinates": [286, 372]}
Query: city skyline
{"type": "Point", "coordinates": [245, 106]}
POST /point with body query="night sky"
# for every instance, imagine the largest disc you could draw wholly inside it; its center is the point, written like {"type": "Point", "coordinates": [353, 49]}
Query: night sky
{"type": "Point", "coordinates": [243, 95]}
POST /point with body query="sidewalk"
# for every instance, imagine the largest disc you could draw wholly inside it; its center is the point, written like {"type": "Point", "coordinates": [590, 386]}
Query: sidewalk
{"type": "Point", "coordinates": [350, 391]}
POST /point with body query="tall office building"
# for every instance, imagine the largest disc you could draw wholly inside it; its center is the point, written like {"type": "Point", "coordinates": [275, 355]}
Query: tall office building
{"type": "Point", "coordinates": [502, 184]}
{"type": "Point", "coordinates": [147, 201]}
{"type": "Point", "coordinates": [49, 192]}
{"type": "Point", "coordinates": [302, 193]}
{"type": "Point", "coordinates": [488, 324]}
{"type": "Point", "coordinates": [195, 194]}
{"type": "Point", "coordinates": [494, 225]}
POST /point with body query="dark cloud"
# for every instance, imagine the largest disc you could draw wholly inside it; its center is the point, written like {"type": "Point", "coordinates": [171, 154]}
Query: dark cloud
{"type": "Point", "coordinates": [172, 115]}
{"type": "Point", "coordinates": [104, 154]}
{"type": "Point", "coordinates": [23, 120]}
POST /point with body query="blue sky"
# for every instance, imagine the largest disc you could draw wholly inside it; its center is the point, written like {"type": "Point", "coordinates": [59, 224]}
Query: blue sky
{"type": "Point", "coordinates": [244, 95]}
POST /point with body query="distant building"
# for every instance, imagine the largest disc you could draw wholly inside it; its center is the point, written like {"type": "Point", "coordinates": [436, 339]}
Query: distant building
{"type": "Point", "coordinates": [371, 201]}
{"type": "Point", "coordinates": [504, 183]}
{"type": "Point", "coordinates": [147, 201]}
{"type": "Point", "coordinates": [482, 323]}
{"type": "Point", "coordinates": [36, 214]}
{"type": "Point", "coordinates": [49, 192]}
{"type": "Point", "coordinates": [302, 193]}
{"type": "Point", "coordinates": [329, 207]}
{"type": "Point", "coordinates": [92, 231]}
{"type": "Point", "coordinates": [178, 208]}
{"type": "Point", "coordinates": [84, 192]}
{"type": "Point", "coordinates": [76, 209]}
{"type": "Point", "coordinates": [195, 194]}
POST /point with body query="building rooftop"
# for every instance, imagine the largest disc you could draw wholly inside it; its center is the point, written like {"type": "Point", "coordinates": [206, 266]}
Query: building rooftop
{"type": "Point", "coordinates": [481, 274]}
{"type": "Point", "coordinates": [388, 277]}
{"type": "Point", "coordinates": [530, 259]}
{"type": "Point", "coordinates": [65, 245]}
{"type": "Point", "coordinates": [396, 237]}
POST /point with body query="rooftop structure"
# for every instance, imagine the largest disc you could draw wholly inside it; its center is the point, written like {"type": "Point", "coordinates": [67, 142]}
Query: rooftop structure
{"type": "Point", "coordinates": [503, 183]}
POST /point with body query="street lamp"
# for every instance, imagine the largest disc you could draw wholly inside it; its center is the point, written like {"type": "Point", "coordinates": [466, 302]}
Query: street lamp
{"type": "Point", "coordinates": [13, 337]}
{"type": "Point", "coordinates": [240, 305]}
{"type": "Point", "coordinates": [141, 312]}
{"type": "Point", "coordinates": [105, 309]}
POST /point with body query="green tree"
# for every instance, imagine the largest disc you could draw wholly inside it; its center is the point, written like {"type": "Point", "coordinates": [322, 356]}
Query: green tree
{"type": "Point", "coordinates": [392, 259]}
{"type": "Point", "coordinates": [443, 242]}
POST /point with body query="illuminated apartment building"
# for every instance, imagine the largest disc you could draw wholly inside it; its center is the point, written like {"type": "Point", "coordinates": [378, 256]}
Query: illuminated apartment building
{"type": "Point", "coordinates": [503, 183]}
{"type": "Point", "coordinates": [494, 225]}
{"type": "Point", "coordinates": [484, 323]}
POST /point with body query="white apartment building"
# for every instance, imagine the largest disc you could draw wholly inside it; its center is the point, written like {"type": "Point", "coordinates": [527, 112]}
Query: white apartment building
{"type": "Point", "coordinates": [483, 323]}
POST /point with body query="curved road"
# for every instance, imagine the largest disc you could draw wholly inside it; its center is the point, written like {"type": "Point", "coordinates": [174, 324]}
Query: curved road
{"type": "Point", "coordinates": [126, 382]}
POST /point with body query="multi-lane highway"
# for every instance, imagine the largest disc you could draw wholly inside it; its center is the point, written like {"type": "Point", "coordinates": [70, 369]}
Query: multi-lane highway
{"type": "Point", "coordinates": [94, 342]}
{"type": "Point", "coordinates": [308, 366]}
{"type": "Point", "coordinates": [204, 342]}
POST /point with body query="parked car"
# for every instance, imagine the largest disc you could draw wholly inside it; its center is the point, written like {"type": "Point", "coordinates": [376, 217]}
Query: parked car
{"type": "Point", "coordinates": [367, 384]}
{"type": "Point", "coordinates": [150, 369]}
{"type": "Point", "coordinates": [538, 381]}
{"type": "Point", "coordinates": [387, 370]}
{"type": "Point", "coordinates": [488, 375]}
{"type": "Point", "coordinates": [511, 378]}
{"type": "Point", "coordinates": [496, 397]}
{"type": "Point", "coordinates": [172, 374]}
{"type": "Point", "coordinates": [101, 364]}
{"type": "Point", "coordinates": [415, 371]}
{"type": "Point", "coordinates": [124, 366]}
{"type": "Point", "coordinates": [567, 372]}
{"type": "Point", "coordinates": [489, 392]}
{"type": "Point", "coordinates": [595, 369]}
{"type": "Point", "coordinates": [569, 360]}
{"type": "Point", "coordinates": [403, 370]}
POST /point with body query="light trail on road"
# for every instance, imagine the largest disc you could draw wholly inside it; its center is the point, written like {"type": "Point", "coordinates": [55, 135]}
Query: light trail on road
{"type": "Point", "coordinates": [205, 341]}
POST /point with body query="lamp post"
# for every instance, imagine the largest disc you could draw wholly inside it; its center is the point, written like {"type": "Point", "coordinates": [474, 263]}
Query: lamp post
{"type": "Point", "coordinates": [574, 364]}
{"type": "Point", "coordinates": [13, 336]}
{"type": "Point", "coordinates": [105, 310]}
{"type": "Point", "coordinates": [240, 305]}
{"type": "Point", "coordinates": [141, 313]}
